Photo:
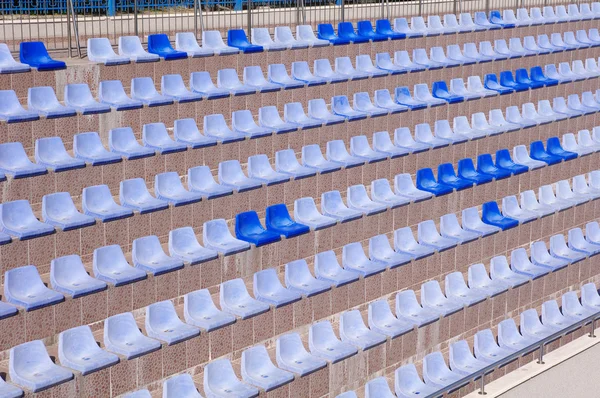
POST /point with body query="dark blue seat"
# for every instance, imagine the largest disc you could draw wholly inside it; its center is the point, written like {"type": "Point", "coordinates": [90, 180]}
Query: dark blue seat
{"type": "Point", "coordinates": [537, 75]}
{"type": "Point", "coordinates": [440, 90]}
{"type": "Point", "coordinates": [504, 161]}
{"type": "Point", "coordinates": [485, 165]}
{"type": "Point", "coordinates": [466, 170]}
{"type": "Point", "coordinates": [507, 80]}
{"type": "Point", "coordinates": [346, 31]}
{"type": "Point", "coordinates": [365, 29]}
{"type": "Point", "coordinates": [496, 19]}
{"type": "Point", "coordinates": [160, 45]}
{"type": "Point", "coordinates": [537, 152]}
{"type": "Point", "coordinates": [237, 38]}
{"type": "Point", "coordinates": [447, 176]}
{"type": "Point", "coordinates": [279, 221]}
{"type": "Point", "coordinates": [383, 27]}
{"type": "Point", "coordinates": [34, 53]}
{"type": "Point", "coordinates": [248, 228]}
{"type": "Point", "coordinates": [325, 32]}
{"type": "Point", "coordinates": [490, 214]}
{"type": "Point", "coordinates": [554, 147]}
{"type": "Point", "coordinates": [491, 83]}
{"type": "Point", "coordinates": [522, 77]}
{"type": "Point", "coordinates": [426, 182]}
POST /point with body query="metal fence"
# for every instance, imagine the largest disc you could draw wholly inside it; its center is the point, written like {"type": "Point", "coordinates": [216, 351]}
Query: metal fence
{"type": "Point", "coordinates": [65, 25]}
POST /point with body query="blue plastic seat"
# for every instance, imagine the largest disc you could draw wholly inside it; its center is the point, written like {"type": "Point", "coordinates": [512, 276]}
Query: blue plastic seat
{"type": "Point", "coordinates": [111, 92]}
{"type": "Point", "coordinates": [79, 97]}
{"type": "Point", "coordinates": [199, 310]}
{"type": "Point", "coordinates": [235, 299]}
{"type": "Point", "coordinates": [31, 367]}
{"type": "Point", "coordinates": [253, 77]}
{"type": "Point", "coordinates": [143, 90]}
{"type": "Point", "coordinates": [278, 74]}
{"type": "Point", "coordinates": [354, 259]}
{"type": "Point", "coordinates": [554, 148]}
{"type": "Point", "coordinates": [163, 323]}
{"type": "Point", "coordinates": [59, 210]}
{"type": "Point", "coordinates": [537, 152]}
{"type": "Point", "coordinates": [504, 161]}
{"type": "Point", "coordinates": [268, 117]}
{"type": "Point", "coordinates": [507, 80]}
{"type": "Point", "coordinates": [34, 54]}
{"type": "Point", "coordinates": [440, 90]}
{"type": "Point", "coordinates": [237, 38]}
{"type": "Point", "coordinates": [17, 219]}
{"type": "Point", "coordinates": [537, 75]}
{"type": "Point", "coordinates": [216, 236]}
{"type": "Point", "coordinates": [408, 383]}
{"type": "Point", "coordinates": [97, 201]}
{"type": "Point", "coordinates": [160, 45]}
{"type": "Point", "coordinates": [220, 381]}
{"type": "Point", "coordinates": [131, 47]}
{"type": "Point", "coordinates": [180, 386]}
{"type": "Point", "coordinates": [323, 343]}
{"type": "Point", "coordinates": [43, 101]}
{"type": "Point", "coordinates": [365, 29]}
{"type": "Point", "coordinates": [11, 109]}
{"type": "Point", "coordinates": [426, 182]}
{"type": "Point", "coordinates": [467, 171]}
{"type": "Point", "coordinates": [186, 42]}
{"type": "Point", "coordinates": [485, 165]}
{"type": "Point", "coordinates": [354, 331]}
{"type": "Point", "coordinates": [447, 176]}
{"type": "Point", "coordinates": [491, 215]}
{"type": "Point", "coordinates": [78, 349]}
{"type": "Point", "coordinates": [168, 187]}
{"type": "Point", "coordinates": [134, 194]}
{"type": "Point", "coordinates": [15, 162]}
{"type": "Point", "coordinates": [121, 141]}
{"type": "Point", "coordinates": [346, 31]}
{"type": "Point", "coordinates": [306, 212]}
{"type": "Point", "coordinates": [279, 221]}
{"type": "Point", "coordinates": [173, 87]}
{"type": "Point", "coordinates": [522, 77]}
{"type": "Point", "coordinates": [201, 83]}
{"type": "Point", "coordinates": [317, 111]}
{"type": "Point", "coordinates": [148, 255]}
{"type": "Point", "coordinates": [212, 40]}
{"type": "Point", "coordinates": [293, 357]}
{"type": "Point", "coordinates": [110, 265]}
{"type": "Point", "coordinates": [155, 136]}
{"type": "Point", "coordinates": [383, 321]}
{"type": "Point", "coordinates": [268, 289]}
{"type": "Point", "coordinates": [299, 279]}
{"type": "Point", "coordinates": [201, 180]}
{"type": "Point", "coordinates": [242, 122]}
{"type": "Point", "coordinates": [122, 336]}
{"type": "Point", "coordinates": [258, 369]}
{"type": "Point", "coordinates": [24, 287]}
{"type": "Point", "coordinates": [68, 276]}
{"type": "Point", "coordinates": [186, 132]}
{"type": "Point", "coordinates": [383, 27]}
{"type": "Point", "coordinates": [327, 269]}
{"type": "Point", "coordinates": [249, 228]}
{"type": "Point", "coordinates": [184, 246]}
{"type": "Point", "coordinates": [496, 19]}
{"type": "Point", "coordinates": [228, 79]}
{"type": "Point", "coordinates": [325, 32]}
{"type": "Point", "coordinates": [491, 83]}
{"type": "Point", "coordinates": [231, 175]}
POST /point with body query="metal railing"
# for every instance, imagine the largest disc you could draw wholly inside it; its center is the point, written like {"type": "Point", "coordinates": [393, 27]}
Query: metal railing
{"type": "Point", "coordinates": [65, 25]}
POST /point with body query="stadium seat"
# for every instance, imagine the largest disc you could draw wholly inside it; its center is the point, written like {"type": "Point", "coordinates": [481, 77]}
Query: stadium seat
{"type": "Point", "coordinates": [143, 90]}
{"type": "Point", "coordinates": [457, 289]}
{"type": "Point", "coordinates": [317, 110]}
{"type": "Point", "coordinates": [235, 300]}
{"type": "Point", "coordinates": [354, 331]}
{"type": "Point", "coordinates": [78, 349]}
{"type": "Point", "coordinates": [324, 343]}
{"type": "Point", "coordinates": [572, 308]}
{"type": "Point", "coordinates": [401, 26]}
{"type": "Point", "coordinates": [122, 336]}
{"type": "Point", "coordinates": [323, 70]}
{"type": "Point", "coordinates": [548, 198]}
{"type": "Point", "coordinates": [97, 202]}
{"type": "Point", "coordinates": [110, 265]}
{"type": "Point", "coordinates": [111, 92]}
{"type": "Point", "coordinates": [354, 259]}
{"type": "Point", "coordinates": [511, 208]}
{"type": "Point", "coordinates": [421, 58]}
{"type": "Point", "coordinates": [23, 287]}
{"type": "Point", "coordinates": [79, 97]}
{"type": "Point", "coordinates": [148, 255]}
{"type": "Point", "coordinates": [201, 83]}
{"type": "Point", "coordinates": [467, 171]}
{"type": "Point", "coordinates": [228, 79]}
{"type": "Point", "coordinates": [408, 383]}
{"type": "Point", "coordinates": [180, 386]}
{"type": "Point", "coordinates": [237, 38]}
{"type": "Point", "coordinates": [502, 273]}
{"type": "Point", "coordinates": [278, 220]}
{"type": "Point", "coordinates": [358, 199]}
{"type": "Point", "coordinates": [531, 327]}
{"type": "Point", "coordinates": [471, 221]}
{"type": "Point", "coordinates": [364, 64]}
{"type": "Point", "coordinates": [325, 32]}
{"type": "Point", "coordinates": [283, 35]}
{"type": "Point", "coordinates": [451, 228]}
{"type": "Point", "coordinates": [68, 276]}
{"type": "Point", "coordinates": [15, 162]}
{"type": "Point", "coordinates": [402, 96]}
{"type": "Point", "coordinates": [341, 106]}
{"type": "Point", "coordinates": [333, 206]}
{"type": "Point", "coordinates": [383, 27]}
{"type": "Point", "coordinates": [553, 317]}
{"type": "Point", "coordinates": [301, 72]}
{"type": "Point", "coordinates": [216, 127]}
{"type": "Point", "coordinates": [487, 349]}
{"type": "Point", "coordinates": [256, 364]}
{"type": "Point", "coordinates": [262, 37]}
{"type": "Point", "coordinates": [405, 187]}
{"type": "Point", "coordinates": [482, 20]}
{"type": "Point", "coordinates": [429, 236]}
{"type": "Point", "coordinates": [268, 289]}
{"type": "Point", "coordinates": [43, 101]}
{"type": "Point", "coordinates": [184, 245]}
{"type": "Point", "coordinates": [299, 279]}
{"type": "Point", "coordinates": [384, 62]}
{"type": "Point", "coordinates": [521, 156]}
{"type": "Point", "coordinates": [216, 236]}
{"type": "Point", "coordinates": [479, 280]}
{"type": "Point", "coordinates": [434, 299]}
{"type": "Point", "coordinates": [201, 180]}
{"type": "Point", "coordinates": [362, 103]}
{"type": "Point", "coordinates": [582, 188]}
{"type": "Point", "coordinates": [426, 182]}
{"type": "Point", "coordinates": [185, 131]}
{"type": "Point", "coordinates": [131, 47]}
{"type": "Point", "coordinates": [231, 175]}
{"type": "Point", "coordinates": [409, 310]}
{"type": "Point", "coordinates": [365, 29]}
{"type": "Point", "coordinates": [306, 213]}
{"type": "Point", "coordinates": [160, 45]}
{"type": "Point", "coordinates": [336, 152]}
{"type": "Point", "coordinates": [456, 56]}
{"type": "Point", "coordinates": [11, 109]}
{"type": "Point", "coordinates": [491, 215]}
{"type": "Point", "coordinates": [268, 117]}
{"type": "Point", "coordinates": [242, 122]}
{"type": "Point", "coordinates": [564, 193]}
{"type": "Point", "coordinates": [560, 250]}
{"type": "Point", "coordinates": [405, 242]}
{"type": "Point", "coordinates": [485, 165]}
{"type": "Point", "coordinates": [219, 379]}
{"type": "Point", "coordinates": [346, 31]}
{"type": "Point", "coordinates": [305, 33]}
{"type": "Point", "coordinates": [186, 42]}
{"type": "Point", "coordinates": [434, 24]}
{"type": "Point", "coordinates": [173, 87]}
{"type": "Point", "coordinates": [168, 187]}
{"type": "Point", "coordinates": [31, 367]}
{"type": "Point", "coordinates": [8, 63]}
{"type": "Point", "coordinates": [278, 74]}
{"type": "Point", "coordinates": [312, 157]}
{"type": "Point", "coordinates": [462, 360]}
{"type": "Point", "coordinates": [327, 269]}
{"type": "Point", "coordinates": [436, 372]}
{"type": "Point", "coordinates": [510, 338]}
{"type": "Point", "coordinates": [293, 357]}
{"type": "Point", "coordinates": [155, 136]}
{"type": "Point", "coordinates": [521, 264]}
{"type": "Point", "coordinates": [579, 242]}
{"type": "Point", "coordinates": [475, 86]}
{"type": "Point", "coordinates": [199, 310]}
{"type": "Point", "coordinates": [134, 194]}
{"type": "Point", "coordinates": [34, 54]}
{"type": "Point", "coordinates": [249, 228]}
{"type": "Point", "coordinates": [212, 40]}
{"type": "Point", "coordinates": [402, 60]}
{"type": "Point", "coordinates": [163, 323]}
{"type": "Point", "coordinates": [462, 127]}
{"type": "Point", "coordinates": [382, 320]}
{"type": "Point", "coordinates": [491, 83]}
{"type": "Point", "coordinates": [531, 113]}
{"type": "Point", "coordinates": [59, 210]}
{"type": "Point", "coordinates": [17, 219]}
{"type": "Point", "coordinates": [121, 141]}
{"type": "Point", "coordinates": [359, 147]}
{"type": "Point", "coordinates": [437, 54]}
{"type": "Point", "coordinates": [253, 77]}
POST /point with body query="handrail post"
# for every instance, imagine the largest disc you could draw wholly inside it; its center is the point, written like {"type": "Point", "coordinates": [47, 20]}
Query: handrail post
{"type": "Point", "coordinates": [135, 18]}
{"type": "Point", "coordinates": [541, 358]}
{"type": "Point", "coordinates": [196, 19]}
{"type": "Point", "coordinates": [343, 17]}
{"type": "Point", "coordinates": [482, 385]}
{"type": "Point", "coordinates": [69, 29]}
{"type": "Point", "coordinates": [592, 334]}
{"type": "Point", "coordinates": [249, 20]}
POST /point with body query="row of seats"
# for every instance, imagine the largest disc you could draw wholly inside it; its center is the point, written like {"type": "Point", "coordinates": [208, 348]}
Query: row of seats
{"type": "Point", "coordinates": [488, 349]}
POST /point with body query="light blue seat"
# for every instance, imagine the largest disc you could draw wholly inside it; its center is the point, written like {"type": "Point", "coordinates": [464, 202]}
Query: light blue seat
{"type": "Point", "coordinates": [148, 255]}
{"type": "Point", "coordinates": [521, 157]}
{"type": "Point", "coordinates": [324, 343]}
{"type": "Point", "coordinates": [521, 264]}
{"type": "Point", "coordinates": [68, 276]}
{"type": "Point", "coordinates": [173, 87]}
{"type": "Point", "coordinates": [258, 369]}
{"type": "Point", "coordinates": [306, 33]}
{"type": "Point", "coordinates": [382, 320]}
{"type": "Point", "coordinates": [510, 338]}
{"type": "Point", "coordinates": [79, 97]}
{"type": "Point", "coordinates": [461, 126]}
{"type": "Point", "coordinates": [100, 50]}
{"type": "Point", "coordinates": [530, 112]}
{"type": "Point", "coordinates": [383, 99]}
{"type": "Point", "coordinates": [89, 147]}
{"type": "Point", "coordinates": [184, 245]}
{"type": "Point", "coordinates": [259, 168]}
{"type": "Point", "coordinates": [7, 310]}
{"type": "Point", "coordinates": [403, 60]}
{"type": "Point", "coordinates": [278, 74]}
{"type": "Point", "coordinates": [421, 58]}
{"type": "Point", "coordinates": [262, 37]}
{"type": "Point", "coordinates": [384, 62]}
{"type": "Point", "coordinates": [111, 92]}
{"type": "Point", "coordinates": [336, 152]}
{"type": "Point", "coordinates": [143, 90]}
{"type": "Point", "coordinates": [462, 360]}
{"type": "Point", "coordinates": [221, 381]}
{"type": "Point", "coordinates": [15, 162]}
{"type": "Point", "coordinates": [78, 349]}
{"type": "Point", "coordinates": [511, 209]}
{"type": "Point", "coordinates": [235, 300]}
{"type": "Point", "coordinates": [327, 269]}
{"type": "Point", "coordinates": [11, 109]}
{"type": "Point", "coordinates": [403, 97]}
{"type": "Point", "coordinates": [312, 157]}
{"type": "Point", "coordinates": [293, 113]}
{"type": "Point", "coordinates": [480, 281]}
{"type": "Point", "coordinates": [216, 236]}
{"type": "Point", "coordinates": [451, 228]}
{"type": "Point", "coordinates": [333, 206]}
{"type": "Point", "coordinates": [457, 289]}
{"type": "Point", "coordinates": [200, 180]}
{"type": "Point", "coordinates": [548, 198]}
{"type": "Point", "coordinates": [471, 221]}
{"type": "Point", "coordinates": [212, 40]}
{"type": "Point", "coordinates": [268, 289]}
{"type": "Point", "coordinates": [323, 69]}
{"type": "Point", "coordinates": [134, 194]}
{"type": "Point", "coordinates": [354, 259]}
{"type": "Point", "coordinates": [228, 79]}
{"type": "Point", "coordinates": [122, 336]}
{"type": "Point", "coordinates": [43, 101]}
{"type": "Point", "coordinates": [364, 64]}
{"type": "Point", "coordinates": [293, 357]}
{"type": "Point", "coordinates": [186, 132]}
{"type": "Point", "coordinates": [317, 109]}
{"type": "Point", "coordinates": [360, 148]}
{"type": "Point", "coordinates": [216, 127]}
{"type": "Point", "coordinates": [362, 103]}
{"type": "Point", "coordinates": [306, 212]}
{"type": "Point", "coordinates": [401, 26]}
{"type": "Point", "coordinates": [163, 323]}
{"type": "Point", "coordinates": [299, 279]}
{"type": "Point", "coordinates": [405, 187]}
{"type": "Point", "coordinates": [168, 187]}
{"type": "Point", "coordinates": [532, 328]}
{"type": "Point", "coordinates": [343, 66]}
{"type": "Point", "coordinates": [443, 131]}
{"type": "Point", "coordinates": [110, 265]}
{"type": "Point", "coordinates": [403, 143]}
{"type": "Point", "coordinates": [268, 117]}
{"type": "Point", "coordinates": [358, 199]}
{"type": "Point", "coordinates": [17, 219]}
{"type": "Point", "coordinates": [231, 175]}
{"type": "Point", "coordinates": [24, 287]}
{"type": "Point", "coordinates": [486, 349]}
{"type": "Point", "coordinates": [572, 308]}
{"type": "Point", "coordinates": [436, 372]}
{"type": "Point", "coordinates": [589, 297]}
{"type": "Point", "coordinates": [429, 236]}
{"type": "Point", "coordinates": [30, 367]}
{"type": "Point", "coordinates": [437, 54]}
{"type": "Point", "coordinates": [560, 250]}
{"type": "Point", "coordinates": [408, 383]}
{"type": "Point", "coordinates": [475, 86]}
{"type": "Point", "coordinates": [201, 83]}
{"type": "Point", "coordinates": [341, 106]}
{"type": "Point", "coordinates": [51, 153]}
{"type": "Point", "coordinates": [121, 141]}
{"type": "Point", "coordinates": [97, 202]}
{"type": "Point", "coordinates": [139, 394]}
{"type": "Point", "coordinates": [354, 331]}
{"type": "Point", "coordinates": [301, 72]}
{"type": "Point", "coordinates": [434, 299]}
{"type": "Point", "coordinates": [131, 47]}
{"type": "Point", "coordinates": [287, 163]}
{"type": "Point", "coordinates": [380, 250]}
{"type": "Point", "coordinates": [253, 77]}
{"type": "Point", "coordinates": [155, 136]}
{"type": "Point", "coordinates": [404, 242]}
{"type": "Point", "coordinates": [242, 122]}
{"type": "Point", "coordinates": [409, 310]}
{"type": "Point", "coordinates": [482, 20]}
{"type": "Point", "coordinates": [180, 386]}
{"type": "Point", "coordinates": [455, 55]}
{"type": "Point", "coordinates": [552, 315]}
{"type": "Point", "coordinates": [500, 271]}
{"type": "Point", "coordinates": [199, 310]}
{"type": "Point", "coordinates": [8, 63]}
{"type": "Point", "coordinates": [186, 42]}
{"type": "Point", "coordinates": [579, 242]}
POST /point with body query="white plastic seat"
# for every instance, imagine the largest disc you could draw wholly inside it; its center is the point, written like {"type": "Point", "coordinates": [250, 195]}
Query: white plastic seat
{"type": "Point", "coordinates": [186, 132]}
{"type": "Point", "coordinates": [358, 199]}
{"type": "Point", "coordinates": [216, 236]}
{"type": "Point", "coordinates": [253, 77]}
{"type": "Point", "coordinates": [228, 79]}
{"type": "Point", "coordinates": [501, 271]}
{"type": "Point", "coordinates": [428, 235]}
{"type": "Point", "coordinates": [184, 245]}
{"type": "Point", "coordinates": [51, 153]}
{"type": "Point", "coordinates": [260, 169]}
{"type": "Point", "coordinates": [121, 141]}
{"type": "Point", "coordinates": [424, 135]}
{"type": "Point", "coordinates": [324, 344]}
{"type": "Point", "coordinates": [436, 372]}
{"type": "Point", "coordinates": [560, 250]}
{"type": "Point", "coordinates": [100, 50]}
{"type": "Point", "coordinates": [364, 64]}
{"type": "Point", "coordinates": [216, 127]}
{"type": "Point", "coordinates": [268, 117]}
{"type": "Point", "coordinates": [235, 300]}
{"type": "Point", "coordinates": [317, 110]}
{"type": "Point", "coordinates": [122, 336]}
{"type": "Point", "coordinates": [111, 92]}
{"type": "Point", "coordinates": [401, 26]}
{"type": "Point", "coordinates": [287, 163]}
{"type": "Point", "coordinates": [434, 299]}
{"type": "Point", "coordinates": [68, 276]}
{"type": "Point", "coordinates": [378, 387]}
{"type": "Point", "coordinates": [155, 136]}
{"type": "Point", "coordinates": [457, 87]}
{"type": "Point", "coordinates": [231, 175]}
{"type": "Point", "coordinates": [521, 156]}
{"type": "Point", "coordinates": [451, 228]}
{"type": "Point", "coordinates": [578, 242]}
{"type": "Point", "coordinates": [572, 308]}
{"type": "Point", "coordinates": [471, 221]}
{"type": "Point", "coordinates": [110, 265]}
{"type": "Point", "coordinates": [163, 323]}
{"type": "Point", "coordinates": [201, 83]}
{"type": "Point", "coordinates": [199, 310]}
{"type": "Point", "coordinates": [582, 188]}
{"type": "Point", "coordinates": [89, 147]}
{"type": "Point", "coordinates": [43, 101]}
{"type": "Point", "coordinates": [510, 338]}
{"type": "Point", "coordinates": [383, 143]}
{"type": "Point", "coordinates": [293, 357]}
{"type": "Point", "coordinates": [475, 86]}
{"type": "Point", "coordinates": [354, 331]}
{"type": "Point", "coordinates": [462, 360]}
{"type": "Point", "coordinates": [486, 349]}
{"type": "Point", "coordinates": [186, 42]}
{"type": "Point", "coordinates": [343, 66]}
{"type": "Point", "coordinates": [531, 113]}
{"type": "Point", "coordinates": [383, 99]}
{"type": "Point", "coordinates": [78, 349]}
{"type": "Point", "coordinates": [131, 47]}
{"type": "Point", "coordinates": [305, 33]}
{"type": "Point", "coordinates": [531, 326]}
{"type": "Point", "coordinates": [301, 72]}
{"type": "Point", "coordinates": [299, 279]}
{"type": "Point", "coordinates": [262, 37]}
{"type": "Point", "coordinates": [511, 209]}
{"type": "Point", "coordinates": [565, 193]}
{"type": "Point", "coordinates": [341, 106]}
{"type": "Point", "coordinates": [552, 316]}
{"type": "Point", "coordinates": [79, 97]}
{"type": "Point", "coordinates": [362, 102]}
{"type": "Point", "coordinates": [382, 193]}
{"type": "Point", "coordinates": [589, 297]}
{"type": "Point", "coordinates": [442, 130]}
{"type": "Point", "coordinates": [547, 197]}
{"type": "Point", "coordinates": [328, 269]}
{"type": "Point", "coordinates": [8, 63]}
{"type": "Point", "coordinates": [148, 255]}
{"type": "Point", "coordinates": [456, 288]}
{"type": "Point", "coordinates": [336, 152]}
{"type": "Point", "coordinates": [278, 74]}
{"type": "Point", "coordinates": [382, 320]}
{"type": "Point", "coordinates": [403, 60]}
{"type": "Point", "coordinates": [312, 157]}
{"type": "Point", "coordinates": [306, 212]}
{"type": "Point", "coordinates": [359, 147]}
{"type": "Point", "coordinates": [97, 201]}
{"type": "Point", "coordinates": [409, 309]}
{"type": "Point", "coordinates": [480, 281]}
{"type": "Point", "coordinates": [11, 109]}
{"type": "Point", "coordinates": [23, 287]}
{"type": "Point", "coordinates": [408, 383]}
{"type": "Point", "coordinates": [168, 187]}
{"type": "Point", "coordinates": [521, 264]}
{"type": "Point", "coordinates": [333, 206]}
{"type": "Point", "coordinates": [384, 62]}
{"type": "Point", "coordinates": [172, 86]}
{"type": "Point", "coordinates": [180, 386]}
{"type": "Point", "coordinates": [354, 259]}
{"type": "Point", "coordinates": [242, 122]}
{"type": "Point", "coordinates": [268, 289]}
{"type": "Point", "coordinates": [221, 381]}
{"type": "Point", "coordinates": [212, 40]}
{"type": "Point", "coordinates": [283, 35]}
{"type": "Point", "coordinates": [405, 186]}
{"type": "Point", "coordinates": [59, 210]}
{"type": "Point", "coordinates": [293, 113]}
